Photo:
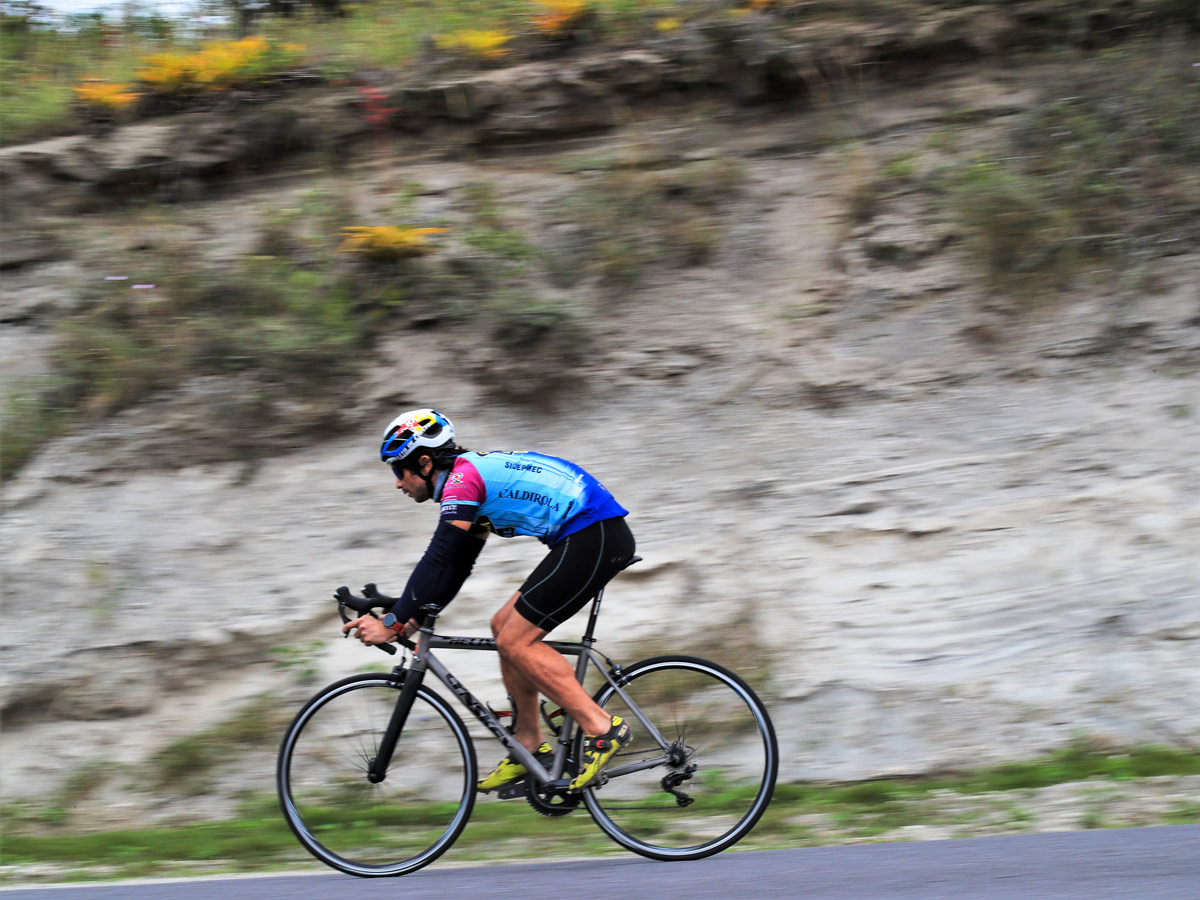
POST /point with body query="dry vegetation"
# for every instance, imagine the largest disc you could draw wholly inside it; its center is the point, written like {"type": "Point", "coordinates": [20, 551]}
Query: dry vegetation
{"type": "Point", "coordinates": [1099, 176]}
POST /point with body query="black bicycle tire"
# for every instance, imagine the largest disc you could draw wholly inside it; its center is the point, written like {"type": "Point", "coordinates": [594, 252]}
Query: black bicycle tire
{"type": "Point", "coordinates": [762, 799]}
{"type": "Point", "coordinates": [304, 835]}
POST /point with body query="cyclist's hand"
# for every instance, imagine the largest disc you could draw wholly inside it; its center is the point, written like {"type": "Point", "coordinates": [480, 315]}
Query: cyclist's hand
{"type": "Point", "coordinates": [370, 630]}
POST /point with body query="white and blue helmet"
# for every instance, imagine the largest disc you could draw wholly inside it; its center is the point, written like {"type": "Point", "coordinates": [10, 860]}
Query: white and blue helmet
{"type": "Point", "coordinates": [413, 430]}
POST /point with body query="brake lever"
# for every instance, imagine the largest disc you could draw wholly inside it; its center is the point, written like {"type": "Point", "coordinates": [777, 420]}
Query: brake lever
{"type": "Point", "coordinates": [371, 592]}
{"type": "Point", "coordinates": [340, 595]}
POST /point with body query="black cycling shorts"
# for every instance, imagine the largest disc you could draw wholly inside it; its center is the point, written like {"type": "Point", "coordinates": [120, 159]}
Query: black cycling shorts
{"type": "Point", "coordinates": [574, 571]}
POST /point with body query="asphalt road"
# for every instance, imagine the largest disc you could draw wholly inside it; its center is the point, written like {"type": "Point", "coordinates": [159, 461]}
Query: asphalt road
{"type": "Point", "coordinates": [1123, 864]}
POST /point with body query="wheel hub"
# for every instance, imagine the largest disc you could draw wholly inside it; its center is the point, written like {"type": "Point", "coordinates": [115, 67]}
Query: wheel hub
{"type": "Point", "coordinates": [679, 755]}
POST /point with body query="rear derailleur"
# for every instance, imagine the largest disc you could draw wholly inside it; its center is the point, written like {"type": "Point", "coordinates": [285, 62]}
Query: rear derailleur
{"type": "Point", "coordinates": [675, 779]}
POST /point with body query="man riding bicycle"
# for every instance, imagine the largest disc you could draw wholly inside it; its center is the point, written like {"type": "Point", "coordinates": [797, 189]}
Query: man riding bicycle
{"type": "Point", "coordinates": [511, 493]}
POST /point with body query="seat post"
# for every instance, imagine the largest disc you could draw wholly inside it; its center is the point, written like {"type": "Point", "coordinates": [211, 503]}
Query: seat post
{"type": "Point", "coordinates": [588, 639]}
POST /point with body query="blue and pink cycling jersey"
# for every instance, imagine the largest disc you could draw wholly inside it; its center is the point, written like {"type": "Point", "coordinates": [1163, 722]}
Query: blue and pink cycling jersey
{"type": "Point", "coordinates": [523, 493]}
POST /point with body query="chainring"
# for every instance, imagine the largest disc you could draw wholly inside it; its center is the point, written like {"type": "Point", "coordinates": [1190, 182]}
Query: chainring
{"type": "Point", "coordinates": [550, 802]}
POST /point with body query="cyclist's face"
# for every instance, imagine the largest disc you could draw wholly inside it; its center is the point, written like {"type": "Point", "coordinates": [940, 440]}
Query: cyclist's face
{"type": "Point", "coordinates": [413, 484]}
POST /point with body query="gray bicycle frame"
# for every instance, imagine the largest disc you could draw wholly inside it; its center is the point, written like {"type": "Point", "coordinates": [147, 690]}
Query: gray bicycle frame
{"type": "Point", "coordinates": [424, 660]}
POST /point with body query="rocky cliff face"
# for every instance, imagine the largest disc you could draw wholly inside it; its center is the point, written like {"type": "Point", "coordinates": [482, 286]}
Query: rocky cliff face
{"type": "Point", "coordinates": [933, 532]}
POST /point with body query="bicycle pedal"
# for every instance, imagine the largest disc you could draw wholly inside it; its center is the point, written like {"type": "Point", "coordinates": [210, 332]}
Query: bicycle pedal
{"type": "Point", "coordinates": [512, 791]}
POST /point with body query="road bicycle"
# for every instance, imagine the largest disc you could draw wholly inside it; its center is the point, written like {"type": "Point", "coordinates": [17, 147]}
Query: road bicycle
{"type": "Point", "coordinates": [377, 772]}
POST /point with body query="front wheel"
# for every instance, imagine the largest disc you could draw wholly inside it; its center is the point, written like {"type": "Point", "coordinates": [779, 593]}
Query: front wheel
{"type": "Point", "coordinates": [715, 771]}
{"type": "Point", "coordinates": [400, 824]}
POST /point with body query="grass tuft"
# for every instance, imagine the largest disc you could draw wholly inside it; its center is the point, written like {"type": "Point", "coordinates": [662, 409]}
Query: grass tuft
{"type": "Point", "coordinates": [188, 764]}
{"type": "Point", "coordinates": [1100, 175]}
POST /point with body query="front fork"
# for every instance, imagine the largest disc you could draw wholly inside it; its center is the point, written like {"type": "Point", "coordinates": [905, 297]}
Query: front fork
{"type": "Point", "coordinates": [413, 676]}
{"type": "Point", "coordinates": [378, 766]}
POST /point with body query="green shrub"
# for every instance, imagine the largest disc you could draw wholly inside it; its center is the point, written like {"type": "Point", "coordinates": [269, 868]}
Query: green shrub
{"type": "Point", "coordinates": [301, 317]}
{"type": "Point", "coordinates": [32, 415]}
{"type": "Point", "coordinates": [298, 328]}
{"type": "Point", "coordinates": [265, 315]}
{"type": "Point", "coordinates": [302, 660]}
{"type": "Point", "coordinates": [187, 764]}
{"type": "Point", "coordinates": [1104, 172]}
{"type": "Point", "coordinates": [1011, 227]}
{"type": "Point", "coordinates": [632, 219]}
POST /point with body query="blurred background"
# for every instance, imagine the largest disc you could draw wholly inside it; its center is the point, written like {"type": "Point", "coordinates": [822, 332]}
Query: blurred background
{"type": "Point", "coordinates": [880, 317]}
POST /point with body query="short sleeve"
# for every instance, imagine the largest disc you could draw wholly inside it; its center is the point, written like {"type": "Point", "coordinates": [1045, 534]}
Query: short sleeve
{"type": "Point", "coordinates": [463, 492]}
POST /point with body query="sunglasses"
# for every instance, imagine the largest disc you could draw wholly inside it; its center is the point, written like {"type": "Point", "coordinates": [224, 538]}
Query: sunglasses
{"type": "Point", "coordinates": [398, 469]}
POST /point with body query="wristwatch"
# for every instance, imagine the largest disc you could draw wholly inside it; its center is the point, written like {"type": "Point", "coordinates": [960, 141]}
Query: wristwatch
{"type": "Point", "coordinates": [392, 622]}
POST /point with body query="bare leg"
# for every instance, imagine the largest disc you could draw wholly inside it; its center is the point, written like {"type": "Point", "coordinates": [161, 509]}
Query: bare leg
{"type": "Point", "coordinates": [524, 692]}
{"type": "Point", "coordinates": [534, 667]}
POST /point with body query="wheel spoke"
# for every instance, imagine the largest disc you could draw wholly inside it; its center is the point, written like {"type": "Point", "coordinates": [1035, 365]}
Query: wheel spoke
{"type": "Point", "coordinates": [351, 824]}
{"type": "Point", "coordinates": [720, 727]}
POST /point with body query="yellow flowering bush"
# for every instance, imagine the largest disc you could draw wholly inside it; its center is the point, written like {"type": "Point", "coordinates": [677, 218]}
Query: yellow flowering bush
{"type": "Point", "coordinates": [481, 44]}
{"type": "Point", "coordinates": [165, 71]}
{"type": "Point", "coordinates": [100, 95]}
{"type": "Point", "coordinates": [218, 66]}
{"type": "Point", "coordinates": [668, 25]}
{"type": "Point", "coordinates": [560, 15]}
{"type": "Point", "coordinates": [388, 242]}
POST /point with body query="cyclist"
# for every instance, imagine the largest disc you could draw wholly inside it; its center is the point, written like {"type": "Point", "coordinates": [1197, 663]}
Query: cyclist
{"type": "Point", "coordinates": [511, 493]}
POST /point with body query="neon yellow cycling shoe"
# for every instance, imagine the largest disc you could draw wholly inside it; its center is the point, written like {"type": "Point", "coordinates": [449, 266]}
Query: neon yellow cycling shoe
{"type": "Point", "coordinates": [598, 751]}
{"type": "Point", "coordinates": [508, 771]}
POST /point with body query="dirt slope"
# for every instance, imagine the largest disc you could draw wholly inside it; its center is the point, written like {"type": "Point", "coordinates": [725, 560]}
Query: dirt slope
{"type": "Point", "coordinates": [932, 533]}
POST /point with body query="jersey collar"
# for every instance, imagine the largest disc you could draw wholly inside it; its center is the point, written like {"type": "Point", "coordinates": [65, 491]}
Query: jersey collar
{"type": "Point", "coordinates": [439, 485]}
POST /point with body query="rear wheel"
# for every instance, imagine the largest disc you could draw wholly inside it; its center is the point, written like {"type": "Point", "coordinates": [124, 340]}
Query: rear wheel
{"type": "Point", "coordinates": [400, 824]}
{"type": "Point", "coordinates": [714, 776]}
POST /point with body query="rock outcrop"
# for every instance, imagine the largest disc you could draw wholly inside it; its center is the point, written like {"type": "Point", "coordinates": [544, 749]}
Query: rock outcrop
{"type": "Point", "coordinates": [780, 59]}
